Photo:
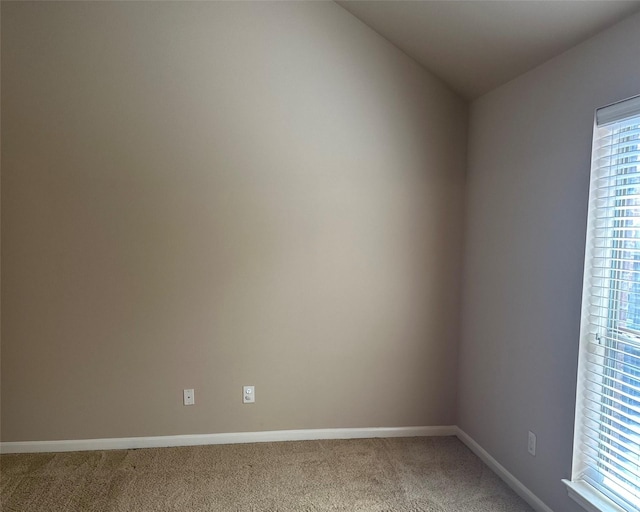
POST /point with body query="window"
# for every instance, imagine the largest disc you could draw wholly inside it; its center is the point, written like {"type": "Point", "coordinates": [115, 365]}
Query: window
{"type": "Point", "coordinates": [606, 463]}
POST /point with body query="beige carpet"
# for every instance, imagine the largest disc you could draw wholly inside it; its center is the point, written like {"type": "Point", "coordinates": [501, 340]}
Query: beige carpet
{"type": "Point", "coordinates": [374, 475]}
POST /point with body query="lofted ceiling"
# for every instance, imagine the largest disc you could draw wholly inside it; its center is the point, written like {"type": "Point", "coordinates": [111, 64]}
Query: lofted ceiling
{"type": "Point", "coordinates": [477, 45]}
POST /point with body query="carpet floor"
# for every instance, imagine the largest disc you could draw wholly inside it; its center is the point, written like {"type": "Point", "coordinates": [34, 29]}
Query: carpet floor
{"type": "Point", "coordinates": [428, 474]}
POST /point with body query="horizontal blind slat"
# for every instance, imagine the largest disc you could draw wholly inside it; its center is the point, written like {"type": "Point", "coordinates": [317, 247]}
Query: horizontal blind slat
{"type": "Point", "coordinates": [623, 501]}
{"type": "Point", "coordinates": [601, 440]}
{"type": "Point", "coordinates": [602, 367]}
{"type": "Point", "coordinates": [609, 379]}
{"type": "Point", "coordinates": [621, 476]}
{"type": "Point", "coordinates": [591, 407]}
{"type": "Point", "coordinates": [606, 398]}
{"type": "Point", "coordinates": [627, 470]}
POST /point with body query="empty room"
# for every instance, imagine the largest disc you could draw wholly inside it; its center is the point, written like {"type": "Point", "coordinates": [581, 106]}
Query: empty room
{"type": "Point", "coordinates": [296, 256]}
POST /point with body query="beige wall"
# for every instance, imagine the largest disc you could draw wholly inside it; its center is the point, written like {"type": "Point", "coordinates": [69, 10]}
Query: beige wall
{"type": "Point", "coordinates": [209, 195]}
{"type": "Point", "coordinates": [527, 195]}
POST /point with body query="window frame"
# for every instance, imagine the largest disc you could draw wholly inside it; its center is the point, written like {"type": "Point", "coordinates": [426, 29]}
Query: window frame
{"type": "Point", "coordinates": [591, 497]}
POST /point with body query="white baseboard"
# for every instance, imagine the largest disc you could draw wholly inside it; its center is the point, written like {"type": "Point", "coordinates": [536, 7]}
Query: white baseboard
{"type": "Point", "coordinates": [535, 502]}
{"type": "Point", "coordinates": [124, 443]}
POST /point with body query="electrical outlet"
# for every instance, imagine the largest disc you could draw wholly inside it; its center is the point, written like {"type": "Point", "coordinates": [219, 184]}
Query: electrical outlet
{"type": "Point", "coordinates": [189, 397]}
{"type": "Point", "coordinates": [531, 446]}
{"type": "Point", "coordinates": [248, 394]}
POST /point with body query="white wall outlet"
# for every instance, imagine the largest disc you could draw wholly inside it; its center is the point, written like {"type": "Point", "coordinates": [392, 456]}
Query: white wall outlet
{"type": "Point", "coordinates": [189, 397]}
{"type": "Point", "coordinates": [248, 394]}
{"type": "Point", "coordinates": [531, 446]}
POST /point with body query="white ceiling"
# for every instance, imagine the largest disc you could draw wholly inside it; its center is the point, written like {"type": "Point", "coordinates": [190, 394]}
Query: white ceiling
{"type": "Point", "coordinates": [477, 45]}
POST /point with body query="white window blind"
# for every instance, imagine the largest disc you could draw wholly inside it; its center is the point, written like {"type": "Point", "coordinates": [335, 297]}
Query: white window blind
{"type": "Point", "coordinates": [607, 440]}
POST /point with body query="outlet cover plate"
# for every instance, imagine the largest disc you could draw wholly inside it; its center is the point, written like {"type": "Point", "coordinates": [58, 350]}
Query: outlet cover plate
{"type": "Point", "coordinates": [248, 394]}
{"type": "Point", "coordinates": [531, 446]}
